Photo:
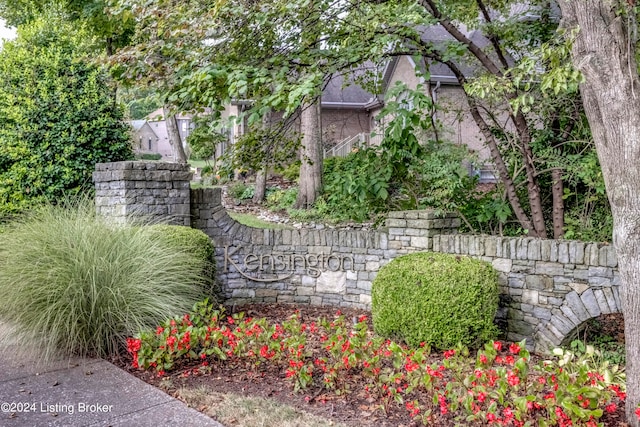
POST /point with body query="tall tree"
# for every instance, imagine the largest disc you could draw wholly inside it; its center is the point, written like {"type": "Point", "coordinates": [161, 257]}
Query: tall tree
{"type": "Point", "coordinates": [275, 52]}
{"type": "Point", "coordinates": [604, 50]}
{"type": "Point", "coordinates": [114, 31]}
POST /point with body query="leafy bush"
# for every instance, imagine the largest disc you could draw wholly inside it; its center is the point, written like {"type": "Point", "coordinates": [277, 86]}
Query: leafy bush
{"type": "Point", "coordinates": [357, 185]}
{"type": "Point", "coordinates": [292, 171]}
{"type": "Point", "coordinates": [188, 240]}
{"type": "Point", "coordinates": [58, 117]}
{"type": "Point", "coordinates": [429, 174]}
{"type": "Point", "coordinates": [149, 156]}
{"type": "Point", "coordinates": [207, 170]}
{"type": "Point", "coordinates": [241, 191]}
{"type": "Point", "coordinates": [279, 200]}
{"type": "Point", "coordinates": [439, 299]}
{"type": "Point", "coordinates": [73, 283]}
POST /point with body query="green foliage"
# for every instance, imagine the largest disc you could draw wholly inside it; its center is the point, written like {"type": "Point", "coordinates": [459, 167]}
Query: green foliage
{"type": "Point", "coordinates": [204, 138]}
{"type": "Point", "coordinates": [74, 283]}
{"type": "Point", "coordinates": [57, 116]}
{"type": "Point", "coordinates": [113, 30]}
{"type": "Point", "coordinates": [408, 171]}
{"type": "Point", "coordinates": [376, 180]}
{"type": "Point", "coordinates": [149, 156]}
{"type": "Point", "coordinates": [139, 102]}
{"type": "Point", "coordinates": [440, 299]}
{"type": "Point", "coordinates": [292, 171]}
{"type": "Point", "coordinates": [186, 239]}
{"type": "Point", "coordinates": [604, 351]}
{"type": "Point", "coordinates": [279, 200]}
{"type": "Point", "coordinates": [357, 185]}
{"type": "Point", "coordinates": [192, 242]}
{"type": "Point", "coordinates": [240, 191]}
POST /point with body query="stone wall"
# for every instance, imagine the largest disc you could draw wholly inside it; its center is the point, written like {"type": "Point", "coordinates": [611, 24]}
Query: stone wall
{"type": "Point", "coordinates": [309, 266]}
{"type": "Point", "coordinates": [153, 190]}
{"type": "Point", "coordinates": [548, 287]}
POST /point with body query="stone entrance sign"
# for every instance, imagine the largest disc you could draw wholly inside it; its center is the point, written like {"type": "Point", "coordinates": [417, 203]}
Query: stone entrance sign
{"type": "Point", "coordinates": [548, 287]}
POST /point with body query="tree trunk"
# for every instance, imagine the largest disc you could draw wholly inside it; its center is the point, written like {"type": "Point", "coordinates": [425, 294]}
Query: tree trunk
{"type": "Point", "coordinates": [261, 185]}
{"type": "Point", "coordinates": [496, 155]}
{"type": "Point", "coordinates": [533, 189]}
{"type": "Point", "coordinates": [605, 54]}
{"type": "Point", "coordinates": [261, 174]}
{"type": "Point", "coordinates": [174, 135]}
{"type": "Point", "coordinates": [557, 193]}
{"type": "Point", "coordinates": [310, 155]}
{"type": "Point", "coordinates": [519, 120]}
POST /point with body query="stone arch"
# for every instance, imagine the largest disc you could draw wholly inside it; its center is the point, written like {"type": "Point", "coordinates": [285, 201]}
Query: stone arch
{"type": "Point", "coordinates": [578, 306]}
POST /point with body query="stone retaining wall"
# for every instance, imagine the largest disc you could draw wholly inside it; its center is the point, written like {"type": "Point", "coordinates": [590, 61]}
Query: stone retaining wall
{"type": "Point", "coordinates": [548, 287]}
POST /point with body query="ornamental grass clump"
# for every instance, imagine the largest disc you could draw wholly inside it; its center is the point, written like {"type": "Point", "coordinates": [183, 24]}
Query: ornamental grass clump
{"type": "Point", "coordinates": [439, 299]}
{"type": "Point", "coordinates": [74, 284]}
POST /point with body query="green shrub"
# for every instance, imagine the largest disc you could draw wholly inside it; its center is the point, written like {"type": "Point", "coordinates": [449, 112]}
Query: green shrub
{"type": "Point", "coordinates": [149, 156]}
{"type": "Point", "coordinates": [186, 239]}
{"type": "Point", "coordinates": [292, 171]}
{"type": "Point", "coordinates": [240, 191]}
{"type": "Point", "coordinates": [58, 117]}
{"type": "Point", "coordinates": [278, 200]}
{"type": "Point", "coordinates": [439, 299]}
{"type": "Point", "coordinates": [73, 283]}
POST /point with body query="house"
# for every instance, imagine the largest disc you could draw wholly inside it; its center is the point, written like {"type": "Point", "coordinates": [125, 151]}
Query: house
{"type": "Point", "coordinates": [150, 135]}
{"type": "Point", "coordinates": [351, 114]}
{"type": "Point", "coordinates": [346, 115]}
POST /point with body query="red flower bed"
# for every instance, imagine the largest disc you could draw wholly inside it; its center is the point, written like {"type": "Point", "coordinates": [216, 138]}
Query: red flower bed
{"type": "Point", "coordinates": [498, 385]}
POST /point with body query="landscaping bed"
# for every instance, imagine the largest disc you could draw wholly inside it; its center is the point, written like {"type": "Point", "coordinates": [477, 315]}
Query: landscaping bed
{"type": "Point", "coordinates": [349, 400]}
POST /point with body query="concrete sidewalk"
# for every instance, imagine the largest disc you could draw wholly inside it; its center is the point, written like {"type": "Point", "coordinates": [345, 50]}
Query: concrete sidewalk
{"type": "Point", "coordinates": [85, 392]}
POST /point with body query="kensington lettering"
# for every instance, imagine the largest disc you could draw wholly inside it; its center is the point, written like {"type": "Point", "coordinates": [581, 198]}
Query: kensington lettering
{"type": "Point", "coordinates": [254, 266]}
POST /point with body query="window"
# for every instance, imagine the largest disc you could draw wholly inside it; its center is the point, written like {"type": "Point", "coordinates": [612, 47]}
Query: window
{"type": "Point", "coordinates": [149, 144]}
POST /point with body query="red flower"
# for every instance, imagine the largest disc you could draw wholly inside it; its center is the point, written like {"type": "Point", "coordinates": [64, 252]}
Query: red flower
{"type": "Point", "coordinates": [638, 413]}
{"type": "Point", "coordinates": [449, 353]}
{"type": "Point", "coordinates": [508, 413]}
{"type": "Point", "coordinates": [411, 366]}
{"type": "Point", "coordinates": [483, 359]}
{"type": "Point", "coordinates": [160, 330]}
{"type": "Point", "coordinates": [230, 320]}
{"type": "Point", "coordinates": [513, 379]}
{"type": "Point", "coordinates": [611, 408]}
{"type": "Point", "coordinates": [497, 345]}
{"type": "Point", "coordinates": [171, 341]}
{"type": "Point", "coordinates": [514, 348]}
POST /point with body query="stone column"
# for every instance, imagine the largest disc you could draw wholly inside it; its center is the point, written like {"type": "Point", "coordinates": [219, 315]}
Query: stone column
{"type": "Point", "coordinates": [155, 191]}
{"type": "Point", "coordinates": [415, 229]}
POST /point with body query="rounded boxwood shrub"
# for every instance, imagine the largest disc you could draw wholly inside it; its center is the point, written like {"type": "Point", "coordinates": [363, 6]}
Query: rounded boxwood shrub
{"type": "Point", "coordinates": [187, 239]}
{"type": "Point", "coordinates": [73, 283]}
{"type": "Point", "coordinates": [195, 242]}
{"type": "Point", "coordinates": [439, 299]}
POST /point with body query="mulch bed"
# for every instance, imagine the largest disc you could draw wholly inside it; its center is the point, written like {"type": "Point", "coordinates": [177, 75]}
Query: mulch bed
{"type": "Point", "coordinates": [353, 409]}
